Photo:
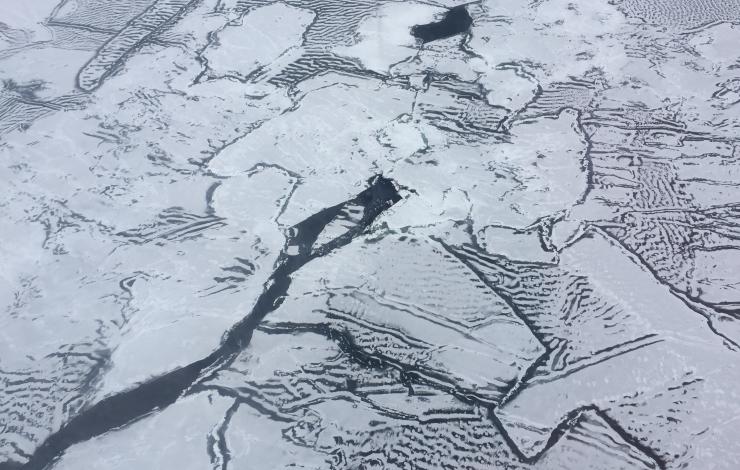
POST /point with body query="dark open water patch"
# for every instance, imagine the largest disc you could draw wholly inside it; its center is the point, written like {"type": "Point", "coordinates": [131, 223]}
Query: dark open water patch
{"type": "Point", "coordinates": [456, 21]}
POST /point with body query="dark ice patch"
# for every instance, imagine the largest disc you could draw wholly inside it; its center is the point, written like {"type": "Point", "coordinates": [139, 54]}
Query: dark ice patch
{"type": "Point", "coordinates": [456, 21]}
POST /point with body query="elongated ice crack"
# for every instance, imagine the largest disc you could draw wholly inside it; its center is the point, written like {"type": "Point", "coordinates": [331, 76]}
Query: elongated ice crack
{"type": "Point", "coordinates": [158, 393]}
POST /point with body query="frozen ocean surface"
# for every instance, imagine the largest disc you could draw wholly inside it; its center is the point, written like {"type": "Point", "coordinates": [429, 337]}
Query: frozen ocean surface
{"type": "Point", "coordinates": [369, 234]}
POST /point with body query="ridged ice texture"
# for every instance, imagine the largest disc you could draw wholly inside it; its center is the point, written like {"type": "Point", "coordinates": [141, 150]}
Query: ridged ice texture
{"type": "Point", "coordinates": [112, 54]}
{"type": "Point", "coordinates": [87, 13]}
{"type": "Point", "coordinates": [450, 330]}
{"type": "Point", "coordinates": [684, 14]}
